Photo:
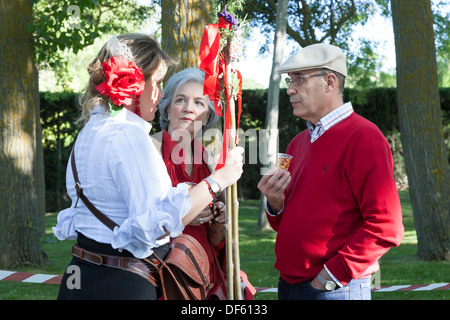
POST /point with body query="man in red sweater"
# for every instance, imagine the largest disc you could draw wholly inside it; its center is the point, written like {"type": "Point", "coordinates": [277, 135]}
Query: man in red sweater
{"type": "Point", "coordinates": [337, 210]}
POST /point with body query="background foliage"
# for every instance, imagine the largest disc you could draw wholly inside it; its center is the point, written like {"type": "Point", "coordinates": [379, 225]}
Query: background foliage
{"type": "Point", "coordinates": [60, 27]}
{"type": "Point", "coordinates": [59, 112]}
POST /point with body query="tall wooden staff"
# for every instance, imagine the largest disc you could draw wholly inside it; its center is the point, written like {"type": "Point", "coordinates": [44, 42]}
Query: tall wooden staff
{"type": "Point", "coordinates": [233, 258]}
{"type": "Point", "coordinates": [223, 84]}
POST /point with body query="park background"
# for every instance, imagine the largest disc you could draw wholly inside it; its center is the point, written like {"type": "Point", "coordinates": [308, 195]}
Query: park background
{"type": "Point", "coordinates": [371, 88]}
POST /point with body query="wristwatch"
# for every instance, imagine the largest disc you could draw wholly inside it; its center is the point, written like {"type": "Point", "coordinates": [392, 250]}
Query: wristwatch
{"type": "Point", "coordinates": [328, 284]}
{"type": "Point", "coordinates": [214, 187]}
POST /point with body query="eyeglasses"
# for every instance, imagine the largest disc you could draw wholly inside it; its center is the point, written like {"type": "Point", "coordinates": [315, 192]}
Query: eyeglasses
{"type": "Point", "coordinates": [299, 80]}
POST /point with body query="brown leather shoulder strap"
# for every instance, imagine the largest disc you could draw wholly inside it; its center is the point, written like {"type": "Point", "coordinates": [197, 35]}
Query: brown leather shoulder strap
{"type": "Point", "coordinates": [100, 216]}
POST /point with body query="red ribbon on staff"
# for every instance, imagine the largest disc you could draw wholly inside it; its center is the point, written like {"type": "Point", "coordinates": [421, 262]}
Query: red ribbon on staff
{"type": "Point", "coordinates": [210, 62]}
{"type": "Point", "coordinates": [214, 65]}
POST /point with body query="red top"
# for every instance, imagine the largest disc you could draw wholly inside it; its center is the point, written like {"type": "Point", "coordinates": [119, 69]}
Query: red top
{"type": "Point", "coordinates": [342, 206]}
{"type": "Point", "coordinates": [177, 173]}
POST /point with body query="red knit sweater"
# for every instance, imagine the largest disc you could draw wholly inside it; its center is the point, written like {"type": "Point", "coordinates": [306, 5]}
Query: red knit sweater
{"type": "Point", "coordinates": [342, 207]}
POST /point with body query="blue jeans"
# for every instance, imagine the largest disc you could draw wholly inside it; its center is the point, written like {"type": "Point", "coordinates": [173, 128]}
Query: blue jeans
{"type": "Point", "coordinates": [358, 289]}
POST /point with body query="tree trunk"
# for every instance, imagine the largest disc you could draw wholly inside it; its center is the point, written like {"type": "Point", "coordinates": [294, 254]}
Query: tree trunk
{"type": "Point", "coordinates": [20, 210]}
{"type": "Point", "coordinates": [182, 24]}
{"type": "Point", "coordinates": [421, 126]}
{"type": "Point", "coordinates": [272, 102]}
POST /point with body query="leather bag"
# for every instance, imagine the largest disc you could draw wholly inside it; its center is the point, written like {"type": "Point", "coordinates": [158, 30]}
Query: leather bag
{"type": "Point", "coordinates": [183, 274]}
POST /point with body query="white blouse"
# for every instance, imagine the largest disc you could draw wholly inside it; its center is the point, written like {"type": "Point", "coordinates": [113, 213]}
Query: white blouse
{"type": "Point", "coordinates": [124, 177]}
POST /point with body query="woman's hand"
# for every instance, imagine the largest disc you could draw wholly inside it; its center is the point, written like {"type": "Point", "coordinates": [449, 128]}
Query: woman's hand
{"type": "Point", "coordinates": [217, 225]}
{"type": "Point", "coordinates": [216, 214]}
{"type": "Point", "coordinates": [232, 171]}
{"type": "Point", "coordinates": [220, 213]}
{"type": "Point", "coordinates": [225, 176]}
{"type": "Point", "coordinates": [203, 217]}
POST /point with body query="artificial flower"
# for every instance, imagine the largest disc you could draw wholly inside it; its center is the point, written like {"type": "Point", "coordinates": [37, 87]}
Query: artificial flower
{"type": "Point", "coordinates": [123, 80]}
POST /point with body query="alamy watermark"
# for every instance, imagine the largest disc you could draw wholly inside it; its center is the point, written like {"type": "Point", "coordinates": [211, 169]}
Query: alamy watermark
{"type": "Point", "coordinates": [260, 146]}
{"type": "Point", "coordinates": [74, 13]}
{"type": "Point", "coordinates": [74, 280]}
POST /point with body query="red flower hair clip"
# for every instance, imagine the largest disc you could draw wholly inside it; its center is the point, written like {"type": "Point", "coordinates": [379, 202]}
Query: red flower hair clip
{"type": "Point", "coordinates": [123, 79]}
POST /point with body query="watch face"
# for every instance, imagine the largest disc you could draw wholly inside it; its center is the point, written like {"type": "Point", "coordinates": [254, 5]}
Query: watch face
{"type": "Point", "coordinates": [330, 285]}
{"type": "Point", "coordinates": [215, 187]}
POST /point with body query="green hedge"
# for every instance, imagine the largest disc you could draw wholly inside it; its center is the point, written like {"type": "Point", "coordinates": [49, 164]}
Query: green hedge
{"type": "Point", "coordinates": [59, 112]}
{"type": "Point", "coordinates": [377, 105]}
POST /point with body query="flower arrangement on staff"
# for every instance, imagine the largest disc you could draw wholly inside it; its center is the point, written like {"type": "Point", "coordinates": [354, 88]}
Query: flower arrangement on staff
{"type": "Point", "coordinates": [222, 44]}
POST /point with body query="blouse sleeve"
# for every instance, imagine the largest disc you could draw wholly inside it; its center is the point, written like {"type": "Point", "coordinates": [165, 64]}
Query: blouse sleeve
{"type": "Point", "coordinates": [142, 180]}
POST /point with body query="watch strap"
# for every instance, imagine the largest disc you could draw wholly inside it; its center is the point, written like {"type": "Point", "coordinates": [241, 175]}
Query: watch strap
{"type": "Point", "coordinates": [209, 181]}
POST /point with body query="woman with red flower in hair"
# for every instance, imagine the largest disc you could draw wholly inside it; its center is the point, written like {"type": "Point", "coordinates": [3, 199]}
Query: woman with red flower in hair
{"type": "Point", "coordinates": [116, 169]}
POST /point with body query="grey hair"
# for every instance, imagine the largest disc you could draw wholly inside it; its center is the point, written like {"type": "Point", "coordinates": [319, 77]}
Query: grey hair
{"type": "Point", "coordinates": [170, 90]}
{"type": "Point", "coordinates": [340, 79]}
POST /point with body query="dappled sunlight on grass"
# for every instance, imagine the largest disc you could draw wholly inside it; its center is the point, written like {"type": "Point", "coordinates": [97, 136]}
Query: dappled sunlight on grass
{"type": "Point", "coordinates": [409, 237]}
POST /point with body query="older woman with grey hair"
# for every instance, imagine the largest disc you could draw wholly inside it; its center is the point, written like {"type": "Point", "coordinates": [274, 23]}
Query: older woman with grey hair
{"type": "Point", "coordinates": [185, 114]}
{"type": "Point", "coordinates": [177, 81]}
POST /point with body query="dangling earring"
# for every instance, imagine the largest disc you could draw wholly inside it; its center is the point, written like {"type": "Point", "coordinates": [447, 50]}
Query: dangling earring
{"type": "Point", "coordinates": [137, 109]}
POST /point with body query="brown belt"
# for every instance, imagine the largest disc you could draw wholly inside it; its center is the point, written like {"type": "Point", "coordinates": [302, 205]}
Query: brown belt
{"type": "Point", "coordinates": [146, 268]}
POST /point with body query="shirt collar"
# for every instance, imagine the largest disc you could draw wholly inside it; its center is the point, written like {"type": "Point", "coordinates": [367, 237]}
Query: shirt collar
{"type": "Point", "coordinates": [332, 118]}
{"type": "Point", "coordinates": [98, 109]}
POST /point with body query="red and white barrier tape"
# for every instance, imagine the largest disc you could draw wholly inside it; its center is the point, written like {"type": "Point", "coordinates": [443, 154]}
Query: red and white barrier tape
{"type": "Point", "coordinates": [416, 287]}
{"type": "Point", "coordinates": [29, 277]}
{"type": "Point", "coordinates": [48, 278]}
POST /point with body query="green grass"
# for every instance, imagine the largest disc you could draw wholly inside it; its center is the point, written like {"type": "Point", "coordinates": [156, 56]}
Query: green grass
{"type": "Point", "coordinates": [398, 267]}
{"type": "Point", "coordinates": [59, 254]}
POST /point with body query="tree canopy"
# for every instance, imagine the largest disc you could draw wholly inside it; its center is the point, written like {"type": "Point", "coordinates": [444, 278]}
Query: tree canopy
{"type": "Point", "coordinates": [333, 22]}
{"type": "Point", "coordinates": [62, 26]}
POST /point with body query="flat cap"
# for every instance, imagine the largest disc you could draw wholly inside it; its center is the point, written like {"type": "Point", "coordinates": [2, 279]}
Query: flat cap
{"type": "Point", "coordinates": [316, 56]}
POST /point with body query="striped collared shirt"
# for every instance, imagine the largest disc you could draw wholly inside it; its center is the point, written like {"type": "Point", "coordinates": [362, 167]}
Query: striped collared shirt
{"type": "Point", "coordinates": [329, 120]}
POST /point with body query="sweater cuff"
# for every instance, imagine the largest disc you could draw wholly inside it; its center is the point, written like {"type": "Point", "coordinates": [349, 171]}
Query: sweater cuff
{"type": "Point", "coordinates": [340, 285]}
{"type": "Point", "coordinates": [269, 210]}
{"type": "Point", "coordinates": [338, 269]}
